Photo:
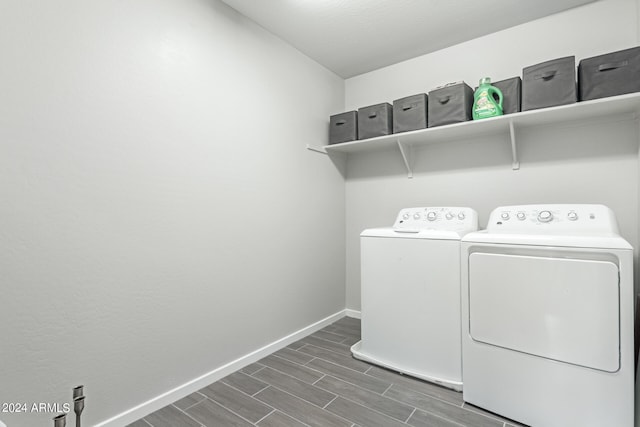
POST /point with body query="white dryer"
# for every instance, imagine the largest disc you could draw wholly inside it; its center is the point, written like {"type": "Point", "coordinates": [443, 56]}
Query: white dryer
{"type": "Point", "coordinates": [548, 311]}
{"type": "Point", "coordinates": [411, 293]}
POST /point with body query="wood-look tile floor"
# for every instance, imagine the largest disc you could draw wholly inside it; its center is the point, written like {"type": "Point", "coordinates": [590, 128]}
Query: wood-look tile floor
{"type": "Point", "coordinates": [316, 382]}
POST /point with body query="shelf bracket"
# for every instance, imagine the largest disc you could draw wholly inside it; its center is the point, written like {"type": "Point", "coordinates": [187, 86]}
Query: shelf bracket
{"type": "Point", "coordinates": [317, 149]}
{"type": "Point", "coordinates": [515, 165]}
{"type": "Point", "coordinates": [406, 152]}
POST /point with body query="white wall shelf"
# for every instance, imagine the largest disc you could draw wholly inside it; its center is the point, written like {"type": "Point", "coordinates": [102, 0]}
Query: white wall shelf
{"type": "Point", "coordinates": [509, 124]}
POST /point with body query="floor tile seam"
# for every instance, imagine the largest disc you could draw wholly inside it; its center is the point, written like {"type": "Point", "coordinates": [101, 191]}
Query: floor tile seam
{"type": "Point", "coordinates": [361, 388]}
{"type": "Point", "coordinates": [329, 403]}
{"type": "Point", "coordinates": [302, 366]}
{"type": "Point", "coordinates": [204, 397]}
{"type": "Point", "coordinates": [250, 374]}
{"type": "Point", "coordinates": [343, 330]}
{"type": "Point", "coordinates": [321, 348]}
{"type": "Point", "coordinates": [438, 416]}
{"type": "Point", "coordinates": [246, 394]}
{"type": "Point", "coordinates": [493, 417]}
{"type": "Point", "coordinates": [253, 374]}
{"type": "Point", "coordinates": [342, 338]}
{"type": "Point", "coordinates": [301, 354]}
{"type": "Point", "coordinates": [335, 363]}
{"type": "Point", "coordinates": [313, 404]}
{"type": "Point", "coordinates": [189, 415]}
{"type": "Point", "coordinates": [148, 422]}
{"type": "Point", "coordinates": [241, 391]}
{"type": "Point", "coordinates": [353, 370]}
{"type": "Point", "coordinates": [420, 393]}
{"type": "Point", "coordinates": [329, 374]}
{"type": "Point", "coordinates": [411, 414]}
{"type": "Point", "coordinates": [314, 383]}
{"type": "Point", "coordinates": [299, 397]}
{"type": "Point", "coordinates": [366, 406]}
{"type": "Point", "coordinates": [234, 412]}
{"type": "Point", "coordinates": [321, 339]}
{"type": "Point", "coordinates": [425, 410]}
{"type": "Point", "coordinates": [256, 423]}
{"type": "Point", "coordinates": [338, 415]}
{"type": "Point", "coordinates": [286, 413]}
{"type": "Point", "coordinates": [291, 376]}
{"type": "Point", "coordinates": [328, 330]}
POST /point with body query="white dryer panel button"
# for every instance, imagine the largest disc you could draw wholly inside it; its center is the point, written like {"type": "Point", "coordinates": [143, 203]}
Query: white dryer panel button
{"type": "Point", "coordinates": [545, 216]}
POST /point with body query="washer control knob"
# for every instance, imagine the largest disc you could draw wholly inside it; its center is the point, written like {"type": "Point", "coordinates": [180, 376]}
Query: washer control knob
{"type": "Point", "coordinates": [545, 216]}
{"type": "Point", "coordinates": [405, 216]}
{"type": "Point", "coordinates": [572, 216]}
{"type": "Point", "coordinates": [416, 216]}
{"type": "Point", "coordinates": [505, 215]}
{"type": "Point", "coordinates": [521, 216]}
{"type": "Point", "coordinates": [461, 215]}
{"type": "Point", "coordinates": [431, 216]}
{"type": "Point", "coordinates": [449, 215]}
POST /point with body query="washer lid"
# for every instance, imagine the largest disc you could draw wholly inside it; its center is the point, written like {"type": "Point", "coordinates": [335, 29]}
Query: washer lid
{"type": "Point", "coordinates": [390, 232]}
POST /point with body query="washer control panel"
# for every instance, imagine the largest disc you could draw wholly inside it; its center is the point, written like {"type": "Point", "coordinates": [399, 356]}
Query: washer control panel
{"type": "Point", "coordinates": [436, 218]}
{"type": "Point", "coordinates": [553, 218]}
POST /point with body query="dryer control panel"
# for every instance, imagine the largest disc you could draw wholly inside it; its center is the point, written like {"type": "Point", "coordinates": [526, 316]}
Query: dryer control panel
{"type": "Point", "coordinates": [436, 218]}
{"type": "Point", "coordinates": [553, 218]}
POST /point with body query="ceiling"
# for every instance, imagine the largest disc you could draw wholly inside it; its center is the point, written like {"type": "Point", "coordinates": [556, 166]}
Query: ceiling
{"type": "Point", "coordinates": [352, 37]}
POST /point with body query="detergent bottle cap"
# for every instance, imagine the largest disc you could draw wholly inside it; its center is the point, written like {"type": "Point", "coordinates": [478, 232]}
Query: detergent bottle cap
{"type": "Point", "coordinates": [485, 81]}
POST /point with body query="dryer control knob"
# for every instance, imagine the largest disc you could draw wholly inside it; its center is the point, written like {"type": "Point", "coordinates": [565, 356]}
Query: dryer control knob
{"type": "Point", "coordinates": [572, 216]}
{"type": "Point", "coordinates": [405, 216]}
{"type": "Point", "coordinates": [461, 215]}
{"type": "Point", "coordinates": [416, 216]}
{"type": "Point", "coordinates": [545, 216]}
{"type": "Point", "coordinates": [505, 215]}
{"type": "Point", "coordinates": [449, 215]}
{"type": "Point", "coordinates": [521, 216]}
{"type": "Point", "coordinates": [431, 216]}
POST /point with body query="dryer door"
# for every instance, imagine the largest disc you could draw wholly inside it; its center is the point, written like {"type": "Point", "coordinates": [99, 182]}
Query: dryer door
{"type": "Point", "coordinates": [556, 308]}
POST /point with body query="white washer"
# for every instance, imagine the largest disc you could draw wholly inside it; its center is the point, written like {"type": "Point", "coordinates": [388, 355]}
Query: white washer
{"type": "Point", "coordinates": [548, 313]}
{"type": "Point", "coordinates": [411, 293]}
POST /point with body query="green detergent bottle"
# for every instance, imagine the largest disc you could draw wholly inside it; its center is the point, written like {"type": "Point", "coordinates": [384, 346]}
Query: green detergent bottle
{"type": "Point", "coordinates": [485, 104]}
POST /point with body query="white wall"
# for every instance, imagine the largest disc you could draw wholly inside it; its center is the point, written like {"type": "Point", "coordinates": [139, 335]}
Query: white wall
{"type": "Point", "coordinates": [594, 163]}
{"type": "Point", "coordinates": [160, 215]}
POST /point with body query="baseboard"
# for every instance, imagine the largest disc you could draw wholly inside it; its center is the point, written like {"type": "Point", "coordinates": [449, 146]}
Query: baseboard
{"type": "Point", "coordinates": [196, 384]}
{"type": "Point", "coordinates": [352, 313]}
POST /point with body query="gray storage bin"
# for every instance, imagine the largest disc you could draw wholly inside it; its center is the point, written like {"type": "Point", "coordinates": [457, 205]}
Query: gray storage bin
{"type": "Point", "coordinates": [410, 113]}
{"type": "Point", "coordinates": [549, 84]}
{"type": "Point", "coordinates": [375, 120]}
{"type": "Point", "coordinates": [450, 104]}
{"type": "Point", "coordinates": [343, 127]}
{"type": "Point", "coordinates": [511, 94]}
{"type": "Point", "coordinates": [611, 74]}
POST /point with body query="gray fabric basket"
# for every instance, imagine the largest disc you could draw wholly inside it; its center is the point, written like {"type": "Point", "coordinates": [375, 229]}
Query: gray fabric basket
{"type": "Point", "coordinates": [343, 127]}
{"type": "Point", "coordinates": [549, 84]}
{"type": "Point", "coordinates": [375, 120]}
{"type": "Point", "coordinates": [410, 113]}
{"type": "Point", "coordinates": [615, 73]}
{"type": "Point", "coordinates": [450, 104]}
